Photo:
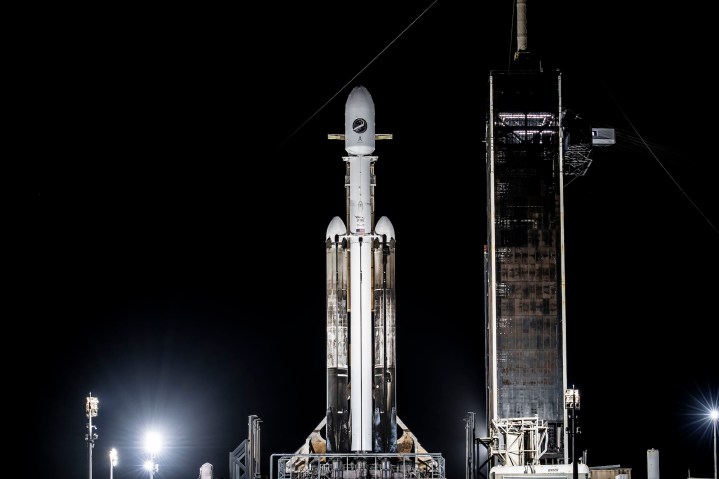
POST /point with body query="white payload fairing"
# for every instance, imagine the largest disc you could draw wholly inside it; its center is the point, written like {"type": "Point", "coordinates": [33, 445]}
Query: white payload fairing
{"type": "Point", "coordinates": [361, 404]}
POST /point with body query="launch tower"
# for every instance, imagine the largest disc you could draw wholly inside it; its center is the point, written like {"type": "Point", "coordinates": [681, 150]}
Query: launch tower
{"type": "Point", "coordinates": [533, 146]}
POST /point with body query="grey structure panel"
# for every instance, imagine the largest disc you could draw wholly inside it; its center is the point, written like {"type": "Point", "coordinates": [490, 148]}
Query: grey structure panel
{"type": "Point", "coordinates": [525, 288]}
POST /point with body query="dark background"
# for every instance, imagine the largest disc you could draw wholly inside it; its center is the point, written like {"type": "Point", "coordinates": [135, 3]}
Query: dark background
{"type": "Point", "coordinates": [171, 183]}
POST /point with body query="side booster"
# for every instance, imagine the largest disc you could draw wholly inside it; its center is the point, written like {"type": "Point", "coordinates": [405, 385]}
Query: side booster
{"type": "Point", "coordinates": [361, 402]}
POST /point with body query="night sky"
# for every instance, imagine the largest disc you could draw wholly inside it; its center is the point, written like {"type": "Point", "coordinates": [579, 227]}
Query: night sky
{"type": "Point", "coordinates": [175, 181]}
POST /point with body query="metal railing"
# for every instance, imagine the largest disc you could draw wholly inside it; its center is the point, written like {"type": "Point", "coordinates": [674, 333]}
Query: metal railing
{"type": "Point", "coordinates": [358, 466]}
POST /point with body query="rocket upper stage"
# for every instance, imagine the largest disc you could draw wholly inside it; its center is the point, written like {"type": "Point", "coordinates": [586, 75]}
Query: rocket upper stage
{"type": "Point", "coordinates": [359, 122]}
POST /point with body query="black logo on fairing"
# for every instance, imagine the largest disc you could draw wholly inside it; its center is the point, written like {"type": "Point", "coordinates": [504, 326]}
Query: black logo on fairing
{"type": "Point", "coordinates": [359, 125]}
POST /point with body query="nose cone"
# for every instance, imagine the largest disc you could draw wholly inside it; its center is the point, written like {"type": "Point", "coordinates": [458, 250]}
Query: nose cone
{"type": "Point", "coordinates": [359, 122]}
{"type": "Point", "coordinates": [336, 227]}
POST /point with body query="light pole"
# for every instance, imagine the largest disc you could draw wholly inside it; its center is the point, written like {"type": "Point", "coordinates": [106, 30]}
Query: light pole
{"type": "Point", "coordinates": [151, 467]}
{"type": "Point", "coordinates": [152, 444]}
{"type": "Point", "coordinates": [92, 405]}
{"type": "Point", "coordinates": [113, 460]}
{"type": "Point", "coordinates": [571, 403]}
{"type": "Point", "coordinates": [714, 415]}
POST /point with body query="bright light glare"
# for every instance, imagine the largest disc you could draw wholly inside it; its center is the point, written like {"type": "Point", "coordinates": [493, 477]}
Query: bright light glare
{"type": "Point", "coordinates": [92, 405]}
{"type": "Point", "coordinates": [149, 465]}
{"type": "Point", "coordinates": [714, 414]}
{"type": "Point", "coordinates": [153, 443]}
{"type": "Point", "coordinates": [113, 457]}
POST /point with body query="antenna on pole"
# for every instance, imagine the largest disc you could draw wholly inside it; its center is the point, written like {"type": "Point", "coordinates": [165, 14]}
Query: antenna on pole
{"type": "Point", "coordinates": [521, 28]}
{"type": "Point", "coordinates": [522, 58]}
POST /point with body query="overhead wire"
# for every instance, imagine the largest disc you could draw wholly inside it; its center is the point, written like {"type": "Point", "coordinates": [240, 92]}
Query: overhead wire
{"type": "Point", "coordinates": [641, 141]}
{"type": "Point", "coordinates": [358, 73]}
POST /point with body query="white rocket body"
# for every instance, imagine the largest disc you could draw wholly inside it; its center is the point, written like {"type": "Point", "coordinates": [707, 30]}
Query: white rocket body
{"type": "Point", "coordinates": [360, 291]}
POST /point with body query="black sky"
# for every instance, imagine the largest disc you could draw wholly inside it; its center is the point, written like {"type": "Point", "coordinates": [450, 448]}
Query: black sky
{"type": "Point", "coordinates": [175, 182]}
